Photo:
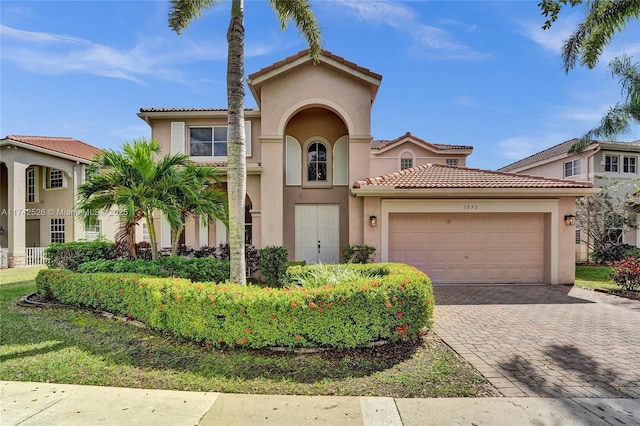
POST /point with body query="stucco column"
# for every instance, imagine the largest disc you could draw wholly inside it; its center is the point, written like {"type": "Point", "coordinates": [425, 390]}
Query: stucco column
{"type": "Point", "coordinates": [359, 147]}
{"type": "Point", "coordinates": [372, 235]}
{"type": "Point", "coordinates": [271, 223]}
{"type": "Point", "coordinates": [16, 182]}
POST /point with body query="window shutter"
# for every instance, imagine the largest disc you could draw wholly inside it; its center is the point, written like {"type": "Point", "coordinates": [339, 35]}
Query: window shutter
{"type": "Point", "coordinates": [341, 161]}
{"type": "Point", "coordinates": [293, 161]}
{"type": "Point", "coordinates": [247, 137]}
{"type": "Point", "coordinates": [177, 137]}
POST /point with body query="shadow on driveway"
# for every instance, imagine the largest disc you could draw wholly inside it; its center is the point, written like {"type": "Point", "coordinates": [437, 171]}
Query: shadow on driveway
{"type": "Point", "coordinates": [504, 295]}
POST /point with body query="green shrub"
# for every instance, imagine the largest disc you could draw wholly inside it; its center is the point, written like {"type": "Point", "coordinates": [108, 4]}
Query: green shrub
{"type": "Point", "coordinates": [632, 251]}
{"type": "Point", "coordinates": [356, 253]}
{"type": "Point", "coordinates": [626, 273]}
{"type": "Point", "coordinates": [272, 260]}
{"type": "Point", "coordinates": [391, 306]}
{"type": "Point", "coordinates": [201, 269]}
{"type": "Point", "coordinates": [222, 252]}
{"type": "Point", "coordinates": [70, 255]}
{"type": "Point", "coordinates": [320, 275]}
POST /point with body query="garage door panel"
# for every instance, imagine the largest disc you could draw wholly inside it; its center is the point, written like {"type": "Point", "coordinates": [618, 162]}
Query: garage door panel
{"type": "Point", "coordinates": [470, 248]}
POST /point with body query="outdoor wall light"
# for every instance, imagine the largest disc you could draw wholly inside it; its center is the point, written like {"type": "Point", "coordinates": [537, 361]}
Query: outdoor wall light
{"type": "Point", "coordinates": [569, 220]}
{"type": "Point", "coordinates": [373, 221]}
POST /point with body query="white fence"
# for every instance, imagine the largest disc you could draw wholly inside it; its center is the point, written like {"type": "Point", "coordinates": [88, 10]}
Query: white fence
{"type": "Point", "coordinates": [34, 256]}
{"type": "Point", "coordinates": [4, 258]}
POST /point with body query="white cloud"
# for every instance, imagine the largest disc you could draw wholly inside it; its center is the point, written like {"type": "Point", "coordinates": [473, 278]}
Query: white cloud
{"type": "Point", "coordinates": [380, 12]}
{"type": "Point", "coordinates": [551, 39]}
{"type": "Point", "coordinates": [147, 57]}
{"type": "Point", "coordinates": [516, 148]}
{"type": "Point", "coordinates": [465, 101]}
{"type": "Point", "coordinates": [427, 38]}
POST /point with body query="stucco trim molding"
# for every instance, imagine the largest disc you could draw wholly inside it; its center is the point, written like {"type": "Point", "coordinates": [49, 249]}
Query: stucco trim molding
{"type": "Point", "coordinates": [315, 102]}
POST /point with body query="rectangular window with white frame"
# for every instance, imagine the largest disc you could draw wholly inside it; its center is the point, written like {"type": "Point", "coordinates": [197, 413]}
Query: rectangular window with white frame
{"type": "Point", "coordinates": [611, 163]}
{"type": "Point", "coordinates": [57, 230]}
{"type": "Point", "coordinates": [55, 178]}
{"type": "Point", "coordinates": [572, 168]}
{"type": "Point", "coordinates": [92, 233]}
{"type": "Point", "coordinates": [208, 141]}
{"type": "Point", "coordinates": [629, 164]}
{"type": "Point", "coordinates": [452, 161]}
{"type": "Point", "coordinates": [211, 141]}
{"type": "Point", "coordinates": [578, 236]}
{"type": "Point", "coordinates": [145, 233]}
{"type": "Point", "coordinates": [406, 163]}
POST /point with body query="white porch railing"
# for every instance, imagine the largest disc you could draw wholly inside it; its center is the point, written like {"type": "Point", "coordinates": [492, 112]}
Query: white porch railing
{"type": "Point", "coordinates": [4, 258]}
{"type": "Point", "coordinates": [34, 256]}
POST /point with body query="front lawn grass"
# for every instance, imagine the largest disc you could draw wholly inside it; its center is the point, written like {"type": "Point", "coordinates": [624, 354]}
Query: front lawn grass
{"type": "Point", "coordinates": [65, 345]}
{"type": "Point", "coordinates": [594, 277]}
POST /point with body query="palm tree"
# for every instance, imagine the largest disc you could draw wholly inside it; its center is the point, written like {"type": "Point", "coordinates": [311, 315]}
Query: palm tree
{"type": "Point", "coordinates": [133, 181]}
{"type": "Point", "coordinates": [620, 117]}
{"type": "Point", "coordinates": [193, 192]}
{"type": "Point", "coordinates": [603, 18]}
{"type": "Point", "coordinates": [182, 12]}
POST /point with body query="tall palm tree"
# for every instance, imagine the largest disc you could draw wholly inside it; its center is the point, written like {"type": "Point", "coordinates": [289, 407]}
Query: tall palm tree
{"type": "Point", "coordinates": [181, 13]}
{"type": "Point", "coordinates": [134, 181]}
{"type": "Point", "coordinates": [193, 192]}
{"type": "Point", "coordinates": [620, 117]}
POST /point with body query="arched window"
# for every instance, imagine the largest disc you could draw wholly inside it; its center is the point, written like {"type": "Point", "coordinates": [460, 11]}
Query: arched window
{"type": "Point", "coordinates": [317, 162]}
{"type": "Point", "coordinates": [31, 185]}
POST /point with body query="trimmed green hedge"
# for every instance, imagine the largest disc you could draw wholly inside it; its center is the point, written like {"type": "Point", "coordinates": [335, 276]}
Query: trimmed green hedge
{"type": "Point", "coordinates": [71, 255]}
{"type": "Point", "coordinates": [198, 269]}
{"type": "Point", "coordinates": [347, 315]}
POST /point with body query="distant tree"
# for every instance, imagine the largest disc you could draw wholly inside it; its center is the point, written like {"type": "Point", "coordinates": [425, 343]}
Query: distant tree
{"type": "Point", "coordinates": [182, 12]}
{"type": "Point", "coordinates": [621, 116]}
{"type": "Point", "coordinates": [605, 217]}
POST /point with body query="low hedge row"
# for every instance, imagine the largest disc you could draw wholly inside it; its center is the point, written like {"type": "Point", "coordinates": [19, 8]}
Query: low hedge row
{"type": "Point", "coordinates": [198, 269]}
{"type": "Point", "coordinates": [347, 315]}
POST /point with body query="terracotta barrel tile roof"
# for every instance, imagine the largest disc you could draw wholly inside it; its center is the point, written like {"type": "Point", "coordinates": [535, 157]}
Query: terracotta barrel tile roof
{"type": "Point", "coordinates": [440, 176]}
{"type": "Point", "coordinates": [67, 146]}
{"type": "Point", "coordinates": [324, 53]}
{"type": "Point", "coordinates": [379, 144]}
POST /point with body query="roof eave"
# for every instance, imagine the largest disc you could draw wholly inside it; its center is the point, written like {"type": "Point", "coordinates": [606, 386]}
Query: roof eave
{"type": "Point", "coordinates": [563, 156]}
{"type": "Point", "coordinates": [12, 142]}
{"type": "Point", "coordinates": [389, 191]}
{"type": "Point", "coordinates": [148, 116]}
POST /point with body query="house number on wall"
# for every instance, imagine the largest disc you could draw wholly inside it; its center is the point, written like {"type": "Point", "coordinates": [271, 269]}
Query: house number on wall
{"type": "Point", "coordinates": [470, 207]}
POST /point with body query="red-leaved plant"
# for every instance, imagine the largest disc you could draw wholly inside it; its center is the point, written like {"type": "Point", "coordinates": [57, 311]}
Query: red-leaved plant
{"type": "Point", "coordinates": [626, 273]}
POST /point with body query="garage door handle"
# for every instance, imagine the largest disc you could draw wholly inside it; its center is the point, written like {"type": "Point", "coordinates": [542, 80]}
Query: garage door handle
{"type": "Point", "coordinates": [318, 246]}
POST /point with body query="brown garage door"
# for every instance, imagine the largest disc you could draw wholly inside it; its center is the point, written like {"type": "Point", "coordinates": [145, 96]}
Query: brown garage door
{"type": "Point", "coordinates": [470, 248]}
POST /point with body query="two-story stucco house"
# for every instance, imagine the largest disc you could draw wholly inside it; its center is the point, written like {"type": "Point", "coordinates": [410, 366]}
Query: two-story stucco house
{"type": "Point", "coordinates": [602, 163]}
{"type": "Point", "coordinates": [318, 181]}
{"type": "Point", "coordinates": [38, 181]}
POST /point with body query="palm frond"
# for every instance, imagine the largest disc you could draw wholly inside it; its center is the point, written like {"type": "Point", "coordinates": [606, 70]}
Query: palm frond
{"type": "Point", "coordinates": [300, 13]}
{"type": "Point", "coordinates": [182, 12]}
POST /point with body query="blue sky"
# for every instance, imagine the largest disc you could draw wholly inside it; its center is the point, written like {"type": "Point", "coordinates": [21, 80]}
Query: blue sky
{"type": "Point", "coordinates": [474, 73]}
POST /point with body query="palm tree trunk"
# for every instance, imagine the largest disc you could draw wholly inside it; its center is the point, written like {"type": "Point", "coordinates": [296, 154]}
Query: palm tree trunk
{"type": "Point", "coordinates": [236, 174]}
{"type": "Point", "coordinates": [152, 236]}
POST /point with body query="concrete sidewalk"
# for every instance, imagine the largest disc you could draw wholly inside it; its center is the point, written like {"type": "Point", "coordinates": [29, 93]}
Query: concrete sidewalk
{"type": "Point", "coordinates": [26, 403]}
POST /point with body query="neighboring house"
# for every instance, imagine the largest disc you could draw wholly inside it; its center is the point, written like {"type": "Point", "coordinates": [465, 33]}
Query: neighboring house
{"type": "Point", "coordinates": [38, 181]}
{"type": "Point", "coordinates": [601, 163]}
{"type": "Point", "coordinates": [310, 158]}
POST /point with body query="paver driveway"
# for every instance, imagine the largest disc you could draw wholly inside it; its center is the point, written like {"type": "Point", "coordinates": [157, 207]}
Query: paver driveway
{"type": "Point", "coordinates": [541, 340]}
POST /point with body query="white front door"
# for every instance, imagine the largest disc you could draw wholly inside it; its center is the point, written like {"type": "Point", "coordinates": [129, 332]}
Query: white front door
{"type": "Point", "coordinates": [317, 233]}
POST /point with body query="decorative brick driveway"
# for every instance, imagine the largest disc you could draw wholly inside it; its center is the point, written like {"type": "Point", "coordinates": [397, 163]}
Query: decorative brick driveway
{"type": "Point", "coordinates": [538, 340]}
